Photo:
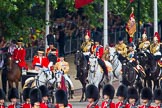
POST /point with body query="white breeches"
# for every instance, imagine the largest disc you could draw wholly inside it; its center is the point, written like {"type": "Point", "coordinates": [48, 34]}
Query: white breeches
{"type": "Point", "coordinates": [157, 53]}
{"type": "Point", "coordinates": [69, 80]}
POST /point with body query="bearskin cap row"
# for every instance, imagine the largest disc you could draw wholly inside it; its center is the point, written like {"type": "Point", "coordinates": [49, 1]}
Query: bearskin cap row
{"type": "Point", "coordinates": [92, 92]}
{"type": "Point", "coordinates": [109, 90]}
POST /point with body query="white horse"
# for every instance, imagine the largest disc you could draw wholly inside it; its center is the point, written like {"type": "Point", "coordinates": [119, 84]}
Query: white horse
{"type": "Point", "coordinates": [116, 65]}
{"type": "Point", "coordinates": [95, 74]}
{"type": "Point", "coordinates": [43, 78]}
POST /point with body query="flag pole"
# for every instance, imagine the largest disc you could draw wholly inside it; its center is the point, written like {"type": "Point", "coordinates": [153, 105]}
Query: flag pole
{"type": "Point", "coordinates": [47, 22]}
{"type": "Point", "coordinates": [105, 23]}
{"type": "Point", "coordinates": [155, 16]}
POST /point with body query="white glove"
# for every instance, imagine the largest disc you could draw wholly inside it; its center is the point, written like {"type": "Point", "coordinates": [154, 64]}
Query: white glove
{"type": "Point", "coordinates": [16, 61]}
{"type": "Point", "coordinates": [119, 52]}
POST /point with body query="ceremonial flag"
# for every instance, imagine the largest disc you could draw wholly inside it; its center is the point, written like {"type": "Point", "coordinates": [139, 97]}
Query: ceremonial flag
{"type": "Point", "coordinates": [131, 1]}
{"type": "Point", "coordinates": [81, 3]}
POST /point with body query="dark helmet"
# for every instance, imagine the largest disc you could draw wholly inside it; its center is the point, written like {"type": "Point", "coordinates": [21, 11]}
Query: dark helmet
{"type": "Point", "coordinates": [92, 92]}
{"type": "Point", "coordinates": [109, 90]}
{"type": "Point", "coordinates": [44, 90]}
{"type": "Point", "coordinates": [122, 91]}
{"type": "Point", "coordinates": [146, 93]}
{"type": "Point", "coordinates": [13, 93]}
{"type": "Point", "coordinates": [132, 93]}
{"type": "Point", "coordinates": [35, 96]}
{"type": "Point", "coordinates": [26, 93]}
{"type": "Point", "coordinates": [61, 97]}
{"type": "Point", "coordinates": [158, 94]}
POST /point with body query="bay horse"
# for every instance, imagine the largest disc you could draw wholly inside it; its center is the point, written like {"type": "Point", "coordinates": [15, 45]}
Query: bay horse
{"type": "Point", "coordinates": [82, 70]}
{"type": "Point", "coordinates": [151, 68]}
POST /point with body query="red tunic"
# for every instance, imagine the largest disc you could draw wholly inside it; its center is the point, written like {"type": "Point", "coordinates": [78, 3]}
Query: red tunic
{"type": "Point", "coordinates": [156, 107]}
{"type": "Point", "coordinates": [69, 106]}
{"type": "Point", "coordinates": [11, 106]}
{"type": "Point", "coordinates": [128, 106]}
{"type": "Point", "coordinates": [19, 54]}
{"type": "Point", "coordinates": [43, 105]}
{"type": "Point", "coordinates": [104, 104]}
{"type": "Point", "coordinates": [2, 106]}
{"type": "Point", "coordinates": [98, 50]}
{"type": "Point", "coordinates": [26, 105]}
{"type": "Point", "coordinates": [143, 106]}
{"type": "Point", "coordinates": [117, 105]}
{"type": "Point", "coordinates": [89, 106]}
{"type": "Point", "coordinates": [43, 61]}
{"type": "Point", "coordinates": [48, 51]}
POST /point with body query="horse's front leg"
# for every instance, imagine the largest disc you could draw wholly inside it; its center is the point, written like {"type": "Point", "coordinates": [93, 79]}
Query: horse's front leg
{"type": "Point", "coordinates": [10, 84]}
{"type": "Point", "coordinates": [17, 84]}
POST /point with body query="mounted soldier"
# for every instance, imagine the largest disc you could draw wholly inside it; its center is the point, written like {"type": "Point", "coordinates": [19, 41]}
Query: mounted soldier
{"type": "Point", "coordinates": [155, 47]}
{"type": "Point", "coordinates": [121, 49]}
{"type": "Point", "coordinates": [50, 48]}
{"type": "Point", "coordinates": [19, 55]}
{"type": "Point", "coordinates": [145, 43]}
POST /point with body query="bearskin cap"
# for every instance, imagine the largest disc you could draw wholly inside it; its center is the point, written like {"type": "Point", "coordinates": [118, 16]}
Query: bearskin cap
{"type": "Point", "coordinates": [26, 93]}
{"type": "Point", "coordinates": [158, 94]}
{"type": "Point", "coordinates": [44, 90]}
{"type": "Point", "coordinates": [35, 96]}
{"type": "Point", "coordinates": [61, 97]}
{"type": "Point", "coordinates": [122, 91]}
{"type": "Point", "coordinates": [120, 38]}
{"type": "Point", "coordinates": [2, 94]}
{"type": "Point", "coordinates": [109, 90]}
{"type": "Point", "coordinates": [13, 93]}
{"type": "Point", "coordinates": [132, 93]}
{"type": "Point", "coordinates": [92, 92]}
{"type": "Point", "coordinates": [146, 93]}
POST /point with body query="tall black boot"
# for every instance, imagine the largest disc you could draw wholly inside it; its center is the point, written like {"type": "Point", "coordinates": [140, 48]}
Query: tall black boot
{"type": "Point", "coordinates": [72, 93]}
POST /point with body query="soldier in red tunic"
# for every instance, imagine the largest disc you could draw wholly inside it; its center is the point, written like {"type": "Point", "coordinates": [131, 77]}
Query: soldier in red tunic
{"type": "Point", "coordinates": [146, 96]}
{"type": "Point", "coordinates": [92, 95]}
{"type": "Point", "coordinates": [45, 94]}
{"type": "Point", "coordinates": [108, 94]}
{"type": "Point", "coordinates": [158, 98]}
{"type": "Point", "coordinates": [26, 98]}
{"type": "Point", "coordinates": [2, 98]}
{"type": "Point", "coordinates": [132, 97]}
{"type": "Point", "coordinates": [98, 51]}
{"type": "Point", "coordinates": [43, 60]}
{"type": "Point", "coordinates": [19, 56]}
{"type": "Point", "coordinates": [62, 100]}
{"type": "Point", "coordinates": [121, 95]}
{"type": "Point", "coordinates": [12, 97]}
{"type": "Point", "coordinates": [51, 46]}
{"type": "Point", "coordinates": [35, 98]}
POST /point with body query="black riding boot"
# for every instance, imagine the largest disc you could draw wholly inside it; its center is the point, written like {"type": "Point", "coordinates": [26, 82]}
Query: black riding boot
{"type": "Point", "coordinates": [72, 93]}
{"type": "Point", "coordinates": [102, 64]}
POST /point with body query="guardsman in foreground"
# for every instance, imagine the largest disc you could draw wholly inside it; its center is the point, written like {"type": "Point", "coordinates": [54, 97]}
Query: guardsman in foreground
{"type": "Point", "coordinates": [121, 95]}
{"type": "Point", "coordinates": [158, 98]}
{"type": "Point", "coordinates": [132, 97]}
{"type": "Point", "coordinates": [146, 96]}
{"type": "Point", "coordinates": [108, 95]}
{"type": "Point", "coordinates": [45, 94]}
{"type": "Point", "coordinates": [61, 99]}
{"type": "Point", "coordinates": [19, 55]}
{"type": "Point", "coordinates": [2, 98]}
{"type": "Point", "coordinates": [35, 98]}
{"type": "Point", "coordinates": [42, 60]}
{"type": "Point", "coordinates": [121, 48]}
{"type": "Point", "coordinates": [26, 98]}
{"type": "Point", "coordinates": [12, 97]}
{"type": "Point", "coordinates": [92, 95]}
{"type": "Point", "coordinates": [145, 43]}
{"type": "Point", "coordinates": [62, 65]}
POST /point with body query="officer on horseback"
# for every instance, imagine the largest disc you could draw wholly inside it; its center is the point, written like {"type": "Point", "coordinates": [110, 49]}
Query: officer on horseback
{"type": "Point", "coordinates": [145, 43]}
{"type": "Point", "coordinates": [121, 48]}
{"type": "Point", "coordinates": [98, 51]}
{"type": "Point", "coordinates": [19, 55]}
{"type": "Point", "coordinates": [155, 47]}
{"type": "Point", "coordinates": [131, 52]}
{"type": "Point", "coordinates": [51, 47]}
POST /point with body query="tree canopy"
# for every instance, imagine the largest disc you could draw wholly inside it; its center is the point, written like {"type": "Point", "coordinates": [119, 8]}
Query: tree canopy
{"type": "Point", "coordinates": [18, 16]}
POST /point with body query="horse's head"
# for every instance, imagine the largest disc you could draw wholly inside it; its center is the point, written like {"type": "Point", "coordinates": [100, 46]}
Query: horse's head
{"type": "Point", "coordinates": [78, 57]}
{"type": "Point", "coordinates": [112, 53]}
{"type": "Point", "coordinates": [9, 61]}
{"type": "Point", "coordinates": [93, 62]}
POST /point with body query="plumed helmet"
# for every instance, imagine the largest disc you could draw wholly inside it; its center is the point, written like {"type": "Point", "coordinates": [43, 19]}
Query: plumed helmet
{"type": "Point", "coordinates": [158, 94]}
{"type": "Point", "coordinates": [109, 90]}
{"type": "Point", "coordinates": [122, 91]}
{"type": "Point", "coordinates": [61, 97]}
{"type": "Point", "coordinates": [92, 92]}
{"type": "Point", "coordinates": [44, 90]}
{"type": "Point", "coordinates": [157, 37]}
{"type": "Point", "coordinates": [87, 36]}
{"type": "Point", "coordinates": [132, 93]}
{"type": "Point", "coordinates": [2, 94]}
{"type": "Point", "coordinates": [144, 35]}
{"type": "Point", "coordinates": [146, 93]}
{"type": "Point", "coordinates": [120, 38]}
{"type": "Point", "coordinates": [35, 96]}
{"type": "Point", "coordinates": [26, 93]}
{"type": "Point", "coordinates": [13, 93]}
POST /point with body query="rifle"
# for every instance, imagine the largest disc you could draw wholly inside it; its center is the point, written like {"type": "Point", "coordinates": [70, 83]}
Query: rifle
{"type": "Point", "coordinates": [124, 103]}
{"type": "Point", "coordinates": [94, 104]}
{"type": "Point", "coordinates": [108, 103]}
{"type": "Point", "coordinates": [148, 104]}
